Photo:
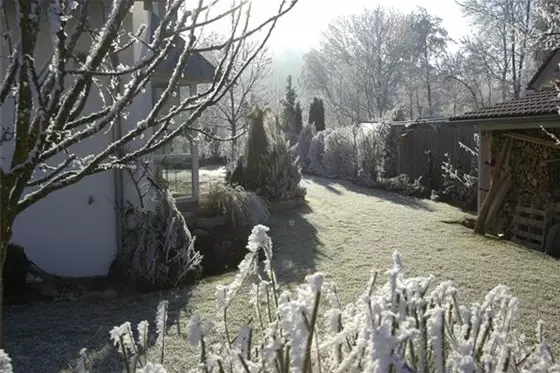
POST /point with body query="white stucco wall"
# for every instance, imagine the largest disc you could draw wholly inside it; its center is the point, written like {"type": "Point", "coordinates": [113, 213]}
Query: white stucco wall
{"type": "Point", "coordinates": [73, 232]}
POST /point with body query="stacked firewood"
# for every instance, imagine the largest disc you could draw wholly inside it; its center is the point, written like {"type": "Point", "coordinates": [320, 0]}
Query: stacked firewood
{"type": "Point", "coordinates": [530, 175]}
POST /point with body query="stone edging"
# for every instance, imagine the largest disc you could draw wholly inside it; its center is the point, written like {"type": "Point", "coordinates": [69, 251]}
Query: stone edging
{"type": "Point", "coordinates": [286, 205]}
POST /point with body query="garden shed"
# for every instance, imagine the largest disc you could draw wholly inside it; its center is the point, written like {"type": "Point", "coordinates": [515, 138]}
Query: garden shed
{"type": "Point", "coordinates": [519, 162]}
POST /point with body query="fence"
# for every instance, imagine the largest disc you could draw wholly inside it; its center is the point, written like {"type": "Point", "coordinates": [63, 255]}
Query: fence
{"type": "Point", "coordinates": [433, 140]}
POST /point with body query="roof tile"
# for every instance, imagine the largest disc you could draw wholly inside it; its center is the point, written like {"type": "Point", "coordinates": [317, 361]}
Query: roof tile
{"type": "Point", "coordinates": [538, 103]}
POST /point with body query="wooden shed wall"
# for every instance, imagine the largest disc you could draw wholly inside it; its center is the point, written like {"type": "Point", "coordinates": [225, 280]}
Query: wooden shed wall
{"type": "Point", "coordinates": [439, 139]}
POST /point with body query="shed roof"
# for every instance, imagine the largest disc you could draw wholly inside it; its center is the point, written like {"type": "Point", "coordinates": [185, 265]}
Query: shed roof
{"type": "Point", "coordinates": [542, 103]}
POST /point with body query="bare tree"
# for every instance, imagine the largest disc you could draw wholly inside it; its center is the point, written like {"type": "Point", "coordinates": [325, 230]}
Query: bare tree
{"type": "Point", "coordinates": [50, 119]}
{"type": "Point", "coordinates": [233, 108]}
{"type": "Point", "coordinates": [503, 31]}
{"type": "Point", "coordinates": [430, 41]}
{"type": "Point", "coordinates": [360, 62]}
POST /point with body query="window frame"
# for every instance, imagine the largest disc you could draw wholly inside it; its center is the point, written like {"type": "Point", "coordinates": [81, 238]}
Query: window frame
{"type": "Point", "coordinates": [193, 156]}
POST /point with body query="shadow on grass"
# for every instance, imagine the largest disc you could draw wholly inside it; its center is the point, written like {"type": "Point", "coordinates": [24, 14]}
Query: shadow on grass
{"type": "Point", "coordinates": [296, 245]}
{"type": "Point", "coordinates": [325, 182]}
{"type": "Point", "coordinates": [412, 202]}
{"type": "Point", "coordinates": [47, 337]}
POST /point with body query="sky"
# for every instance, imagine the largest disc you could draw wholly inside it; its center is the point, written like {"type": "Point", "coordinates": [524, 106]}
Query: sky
{"type": "Point", "coordinates": [301, 28]}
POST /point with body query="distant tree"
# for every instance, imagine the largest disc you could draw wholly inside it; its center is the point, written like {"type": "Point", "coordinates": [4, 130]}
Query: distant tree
{"type": "Point", "coordinates": [502, 29]}
{"type": "Point", "coordinates": [317, 114]}
{"type": "Point", "coordinates": [430, 41]}
{"type": "Point", "coordinates": [289, 107]}
{"type": "Point", "coordinates": [298, 118]}
{"type": "Point", "coordinates": [360, 63]}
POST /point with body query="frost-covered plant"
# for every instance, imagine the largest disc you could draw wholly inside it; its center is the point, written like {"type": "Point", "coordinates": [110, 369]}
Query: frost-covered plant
{"type": "Point", "coordinates": [339, 159]}
{"type": "Point", "coordinates": [406, 325]}
{"type": "Point", "coordinates": [369, 155]}
{"type": "Point", "coordinates": [403, 184]}
{"type": "Point", "coordinates": [388, 136]}
{"type": "Point", "coordinates": [269, 167]}
{"type": "Point", "coordinates": [303, 144]}
{"type": "Point", "coordinates": [240, 208]}
{"type": "Point", "coordinates": [158, 249]}
{"type": "Point", "coordinates": [316, 153]}
{"type": "Point", "coordinates": [458, 186]}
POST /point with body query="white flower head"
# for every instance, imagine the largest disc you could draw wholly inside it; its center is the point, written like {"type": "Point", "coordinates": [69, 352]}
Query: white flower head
{"type": "Point", "coordinates": [152, 368]}
{"type": "Point", "coordinates": [81, 365]}
{"type": "Point", "coordinates": [5, 362]}
{"type": "Point", "coordinates": [316, 281]}
{"type": "Point", "coordinates": [122, 336]}
{"type": "Point", "coordinates": [142, 333]}
{"type": "Point", "coordinates": [195, 332]}
{"type": "Point", "coordinates": [161, 320]}
{"type": "Point", "coordinates": [221, 296]}
{"type": "Point", "coordinates": [259, 239]}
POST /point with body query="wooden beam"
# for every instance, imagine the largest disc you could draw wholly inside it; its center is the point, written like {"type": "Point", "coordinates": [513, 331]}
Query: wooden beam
{"type": "Point", "coordinates": [531, 139]}
{"type": "Point", "coordinates": [497, 179]}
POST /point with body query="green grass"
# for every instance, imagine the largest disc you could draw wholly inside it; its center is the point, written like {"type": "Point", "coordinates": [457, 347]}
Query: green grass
{"type": "Point", "coordinates": [345, 231]}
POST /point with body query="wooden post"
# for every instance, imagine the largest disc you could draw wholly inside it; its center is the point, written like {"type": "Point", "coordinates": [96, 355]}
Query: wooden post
{"type": "Point", "coordinates": [484, 148]}
{"type": "Point", "coordinates": [497, 179]}
{"type": "Point", "coordinates": [194, 157]}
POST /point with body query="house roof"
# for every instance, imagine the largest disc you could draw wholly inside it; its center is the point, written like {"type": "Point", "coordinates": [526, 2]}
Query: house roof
{"type": "Point", "coordinates": [542, 103]}
{"type": "Point", "coordinates": [542, 68]}
{"type": "Point", "coordinates": [546, 68]}
{"type": "Point", "coordinates": [197, 70]}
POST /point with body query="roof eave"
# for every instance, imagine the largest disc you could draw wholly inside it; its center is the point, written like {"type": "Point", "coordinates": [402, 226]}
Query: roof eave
{"type": "Point", "coordinates": [534, 121]}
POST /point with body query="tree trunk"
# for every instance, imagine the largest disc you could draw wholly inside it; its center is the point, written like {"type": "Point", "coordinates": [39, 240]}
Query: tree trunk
{"type": "Point", "coordinates": [6, 223]}
{"type": "Point", "coordinates": [233, 141]}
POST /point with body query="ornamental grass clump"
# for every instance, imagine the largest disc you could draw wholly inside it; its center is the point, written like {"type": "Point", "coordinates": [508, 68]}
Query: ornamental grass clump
{"type": "Point", "coordinates": [404, 325]}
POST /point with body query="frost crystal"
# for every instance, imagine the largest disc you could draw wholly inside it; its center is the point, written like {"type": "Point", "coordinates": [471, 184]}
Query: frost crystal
{"type": "Point", "coordinates": [5, 362]}
{"type": "Point", "coordinates": [195, 332]}
{"type": "Point", "coordinates": [122, 337]}
{"type": "Point", "coordinates": [161, 321]}
{"type": "Point", "coordinates": [152, 368]}
{"type": "Point", "coordinates": [259, 238]}
{"type": "Point", "coordinates": [142, 333]}
{"type": "Point", "coordinates": [316, 281]}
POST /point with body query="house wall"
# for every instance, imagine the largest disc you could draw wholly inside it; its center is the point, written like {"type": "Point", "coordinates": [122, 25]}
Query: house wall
{"type": "Point", "coordinates": [73, 231]}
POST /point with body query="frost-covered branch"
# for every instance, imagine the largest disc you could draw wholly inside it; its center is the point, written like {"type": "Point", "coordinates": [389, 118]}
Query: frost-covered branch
{"type": "Point", "coordinates": [53, 95]}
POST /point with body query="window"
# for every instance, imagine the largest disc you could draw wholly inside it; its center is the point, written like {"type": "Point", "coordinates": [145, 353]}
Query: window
{"type": "Point", "coordinates": [175, 159]}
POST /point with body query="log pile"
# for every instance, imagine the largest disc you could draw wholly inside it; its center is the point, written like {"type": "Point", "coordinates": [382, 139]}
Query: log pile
{"type": "Point", "coordinates": [530, 176]}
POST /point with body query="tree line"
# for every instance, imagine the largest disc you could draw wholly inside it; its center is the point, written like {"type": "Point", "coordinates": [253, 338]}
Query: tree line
{"type": "Point", "coordinates": [381, 61]}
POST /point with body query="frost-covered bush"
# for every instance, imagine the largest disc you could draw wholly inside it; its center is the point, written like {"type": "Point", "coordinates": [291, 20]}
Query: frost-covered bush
{"type": "Point", "coordinates": [403, 184]}
{"type": "Point", "coordinates": [339, 159]}
{"type": "Point", "coordinates": [317, 152]}
{"type": "Point", "coordinates": [269, 167]}
{"type": "Point", "coordinates": [369, 155]}
{"type": "Point", "coordinates": [404, 325]}
{"type": "Point", "coordinates": [459, 187]}
{"type": "Point", "coordinates": [14, 275]}
{"type": "Point", "coordinates": [303, 144]}
{"type": "Point", "coordinates": [388, 135]}
{"type": "Point", "coordinates": [241, 209]}
{"type": "Point", "coordinates": [158, 249]}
